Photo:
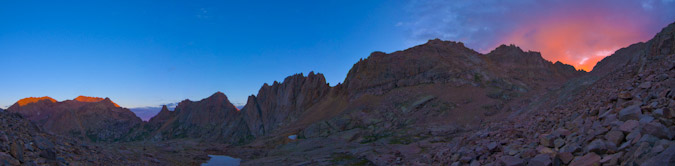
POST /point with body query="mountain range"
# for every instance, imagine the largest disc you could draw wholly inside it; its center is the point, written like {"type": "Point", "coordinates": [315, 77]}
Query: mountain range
{"type": "Point", "coordinates": [439, 103]}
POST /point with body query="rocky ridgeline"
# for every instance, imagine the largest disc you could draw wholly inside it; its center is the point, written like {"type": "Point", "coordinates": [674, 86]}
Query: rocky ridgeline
{"type": "Point", "coordinates": [89, 118]}
{"type": "Point", "coordinates": [283, 103]}
{"type": "Point", "coordinates": [24, 143]}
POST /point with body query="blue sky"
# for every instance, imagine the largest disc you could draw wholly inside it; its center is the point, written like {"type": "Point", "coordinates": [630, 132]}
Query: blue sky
{"type": "Point", "coordinates": [155, 52]}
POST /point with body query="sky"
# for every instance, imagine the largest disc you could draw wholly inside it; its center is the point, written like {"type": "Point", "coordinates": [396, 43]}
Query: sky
{"type": "Point", "coordinates": [149, 53]}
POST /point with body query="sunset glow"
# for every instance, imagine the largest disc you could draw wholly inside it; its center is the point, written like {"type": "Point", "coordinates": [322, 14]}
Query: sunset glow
{"type": "Point", "coordinates": [88, 99]}
{"type": "Point", "coordinates": [576, 40]}
{"type": "Point", "coordinates": [29, 100]}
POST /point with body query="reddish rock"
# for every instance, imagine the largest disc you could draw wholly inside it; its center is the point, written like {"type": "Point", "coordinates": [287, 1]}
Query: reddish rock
{"type": "Point", "coordinates": [546, 140]}
{"type": "Point", "coordinates": [629, 125]}
{"type": "Point", "coordinates": [565, 157]}
{"type": "Point", "coordinates": [615, 137]}
{"type": "Point", "coordinates": [590, 159]}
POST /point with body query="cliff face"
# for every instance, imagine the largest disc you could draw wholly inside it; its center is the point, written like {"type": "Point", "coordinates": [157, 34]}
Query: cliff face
{"type": "Point", "coordinates": [212, 118]}
{"type": "Point", "coordinates": [95, 119]}
{"type": "Point", "coordinates": [451, 62]}
{"type": "Point", "coordinates": [282, 103]}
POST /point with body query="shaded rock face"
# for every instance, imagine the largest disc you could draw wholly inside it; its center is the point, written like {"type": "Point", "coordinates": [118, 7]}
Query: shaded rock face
{"type": "Point", "coordinates": [434, 62]}
{"type": "Point", "coordinates": [451, 62]}
{"type": "Point", "coordinates": [212, 118]}
{"type": "Point", "coordinates": [282, 103]}
{"type": "Point", "coordinates": [94, 119]}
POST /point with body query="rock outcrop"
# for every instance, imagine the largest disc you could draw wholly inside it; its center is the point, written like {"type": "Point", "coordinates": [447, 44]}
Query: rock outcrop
{"type": "Point", "coordinates": [284, 102]}
{"type": "Point", "coordinates": [212, 118]}
{"type": "Point", "coordinates": [90, 118]}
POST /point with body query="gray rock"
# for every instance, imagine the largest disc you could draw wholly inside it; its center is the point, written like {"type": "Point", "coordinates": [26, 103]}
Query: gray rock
{"type": "Point", "coordinates": [511, 161]}
{"type": "Point", "coordinates": [540, 160]}
{"type": "Point", "coordinates": [646, 119]}
{"type": "Point", "coordinates": [615, 137]}
{"type": "Point", "coordinates": [546, 140]}
{"type": "Point", "coordinates": [658, 113]}
{"type": "Point", "coordinates": [565, 157]}
{"type": "Point", "coordinates": [629, 125]}
{"type": "Point", "coordinates": [631, 112]}
{"type": "Point", "coordinates": [656, 129]}
{"type": "Point", "coordinates": [6, 159]}
{"type": "Point", "coordinates": [492, 146]}
{"type": "Point", "coordinates": [645, 85]}
{"type": "Point", "coordinates": [598, 146]}
{"type": "Point", "coordinates": [571, 148]}
{"type": "Point", "coordinates": [16, 150]}
{"type": "Point", "coordinates": [558, 142]}
{"type": "Point", "coordinates": [589, 159]}
{"type": "Point", "coordinates": [667, 157]}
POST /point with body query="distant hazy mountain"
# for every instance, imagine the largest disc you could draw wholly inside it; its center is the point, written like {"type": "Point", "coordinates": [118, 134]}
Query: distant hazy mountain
{"type": "Point", "coordinates": [146, 113]}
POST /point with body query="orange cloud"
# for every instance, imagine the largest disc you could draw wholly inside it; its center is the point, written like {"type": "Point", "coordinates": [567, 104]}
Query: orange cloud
{"type": "Point", "coordinates": [580, 39]}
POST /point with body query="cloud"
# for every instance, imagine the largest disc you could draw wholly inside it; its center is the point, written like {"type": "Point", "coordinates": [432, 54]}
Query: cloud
{"type": "Point", "coordinates": [202, 14]}
{"type": "Point", "coordinates": [576, 32]}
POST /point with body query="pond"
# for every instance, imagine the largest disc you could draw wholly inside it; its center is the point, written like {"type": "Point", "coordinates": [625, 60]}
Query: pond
{"type": "Point", "coordinates": [221, 160]}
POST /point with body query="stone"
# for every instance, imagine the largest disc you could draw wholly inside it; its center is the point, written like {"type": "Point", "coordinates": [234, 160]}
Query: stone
{"type": "Point", "coordinates": [565, 157]}
{"type": "Point", "coordinates": [629, 125]}
{"type": "Point", "coordinates": [16, 150]}
{"type": "Point", "coordinates": [646, 119]}
{"type": "Point", "coordinates": [6, 159]}
{"type": "Point", "coordinates": [511, 161]}
{"type": "Point", "coordinates": [656, 129]}
{"type": "Point", "coordinates": [492, 146]}
{"type": "Point", "coordinates": [631, 112]}
{"type": "Point", "coordinates": [48, 154]}
{"type": "Point", "coordinates": [645, 85]}
{"type": "Point", "coordinates": [667, 157]}
{"type": "Point", "coordinates": [598, 146]}
{"type": "Point", "coordinates": [658, 113]}
{"type": "Point", "coordinates": [558, 142]}
{"type": "Point", "coordinates": [590, 159]}
{"type": "Point", "coordinates": [540, 160]}
{"type": "Point", "coordinates": [546, 140]}
{"type": "Point", "coordinates": [572, 148]}
{"type": "Point", "coordinates": [625, 96]}
{"type": "Point", "coordinates": [614, 136]}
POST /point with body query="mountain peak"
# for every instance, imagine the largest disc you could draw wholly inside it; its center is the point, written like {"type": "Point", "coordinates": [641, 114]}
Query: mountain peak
{"type": "Point", "coordinates": [218, 95]}
{"type": "Point", "coordinates": [88, 99]}
{"type": "Point", "coordinates": [508, 48]}
{"type": "Point", "coordinates": [29, 100]}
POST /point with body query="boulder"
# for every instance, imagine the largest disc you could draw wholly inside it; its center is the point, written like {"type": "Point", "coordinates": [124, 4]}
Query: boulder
{"type": "Point", "coordinates": [614, 136]}
{"type": "Point", "coordinates": [590, 159]}
{"type": "Point", "coordinates": [629, 125]}
{"type": "Point", "coordinates": [597, 146]}
{"type": "Point", "coordinates": [540, 160]}
{"type": "Point", "coordinates": [546, 140]}
{"type": "Point", "coordinates": [656, 129]}
{"type": "Point", "coordinates": [565, 157]}
{"type": "Point", "coordinates": [667, 157]}
{"type": "Point", "coordinates": [511, 161]}
{"type": "Point", "coordinates": [632, 112]}
{"type": "Point", "coordinates": [6, 159]}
